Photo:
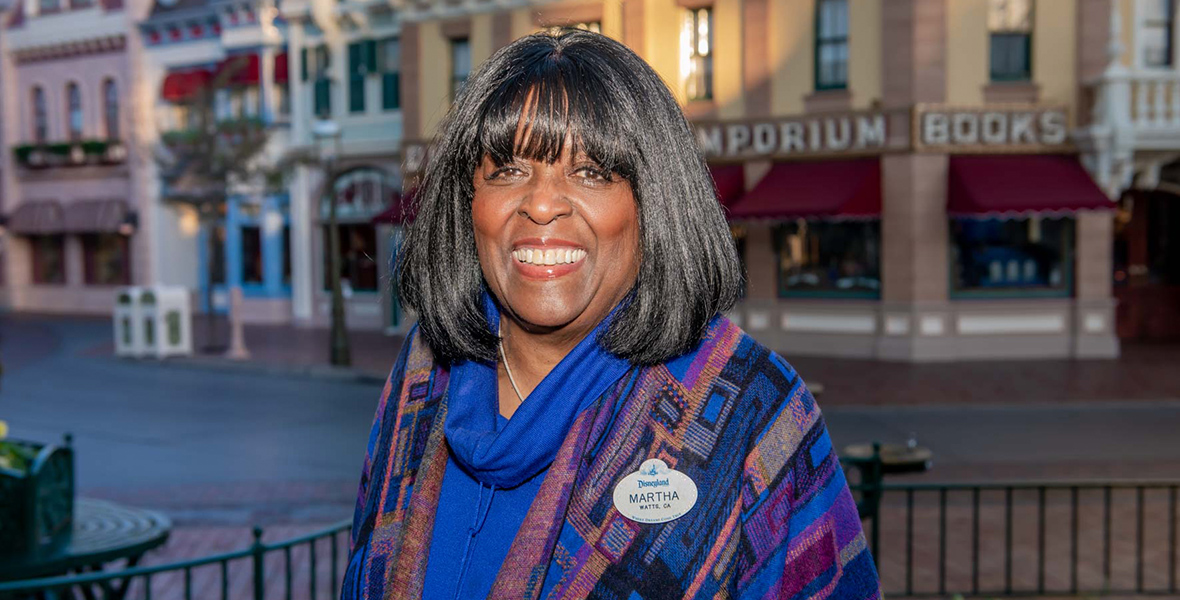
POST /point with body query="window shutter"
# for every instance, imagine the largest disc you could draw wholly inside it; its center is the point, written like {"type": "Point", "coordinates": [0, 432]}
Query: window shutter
{"type": "Point", "coordinates": [371, 56]}
{"type": "Point", "coordinates": [303, 64]}
{"type": "Point", "coordinates": [354, 58]}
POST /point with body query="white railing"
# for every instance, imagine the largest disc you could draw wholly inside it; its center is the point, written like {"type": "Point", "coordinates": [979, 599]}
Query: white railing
{"type": "Point", "coordinates": [1145, 104]}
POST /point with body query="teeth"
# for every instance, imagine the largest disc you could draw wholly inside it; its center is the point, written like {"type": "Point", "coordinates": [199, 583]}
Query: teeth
{"type": "Point", "coordinates": [548, 256]}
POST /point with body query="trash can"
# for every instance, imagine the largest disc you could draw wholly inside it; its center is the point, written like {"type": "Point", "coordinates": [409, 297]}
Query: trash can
{"type": "Point", "coordinates": [127, 324]}
{"type": "Point", "coordinates": [167, 328]}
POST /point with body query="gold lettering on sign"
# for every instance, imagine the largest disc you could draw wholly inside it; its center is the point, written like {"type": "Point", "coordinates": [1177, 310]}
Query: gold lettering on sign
{"type": "Point", "coordinates": [799, 136]}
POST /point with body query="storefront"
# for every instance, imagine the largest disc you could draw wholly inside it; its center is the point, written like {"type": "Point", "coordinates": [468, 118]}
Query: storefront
{"type": "Point", "coordinates": [1147, 260]}
{"type": "Point", "coordinates": [251, 249]}
{"type": "Point", "coordinates": [930, 234]}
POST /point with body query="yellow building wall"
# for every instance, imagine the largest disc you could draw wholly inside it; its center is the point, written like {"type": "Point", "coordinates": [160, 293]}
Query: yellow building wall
{"type": "Point", "coordinates": [792, 47]}
{"type": "Point", "coordinates": [481, 38]}
{"type": "Point", "coordinates": [612, 19]}
{"type": "Point", "coordinates": [864, 52]}
{"type": "Point", "coordinates": [1127, 23]}
{"type": "Point", "coordinates": [661, 42]}
{"type": "Point", "coordinates": [522, 23]}
{"type": "Point", "coordinates": [433, 81]}
{"type": "Point", "coordinates": [727, 58]}
{"type": "Point", "coordinates": [1054, 40]}
{"type": "Point", "coordinates": [967, 50]}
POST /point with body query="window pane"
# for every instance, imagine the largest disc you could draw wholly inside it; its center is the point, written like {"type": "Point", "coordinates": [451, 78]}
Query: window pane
{"type": "Point", "coordinates": [389, 56]}
{"type": "Point", "coordinates": [74, 102]}
{"type": "Point", "coordinates": [1010, 57]}
{"type": "Point", "coordinates": [217, 255]}
{"type": "Point", "coordinates": [356, 93]}
{"type": "Point", "coordinates": [460, 64]}
{"type": "Point", "coordinates": [829, 258]}
{"type": "Point", "coordinates": [358, 247]}
{"type": "Point", "coordinates": [251, 254]}
{"type": "Point", "coordinates": [40, 116]}
{"type": "Point", "coordinates": [286, 255]}
{"type": "Point", "coordinates": [111, 109]}
{"type": "Point", "coordinates": [390, 91]}
{"type": "Point", "coordinates": [106, 259]}
{"type": "Point", "coordinates": [48, 259]}
{"type": "Point", "coordinates": [990, 255]}
{"type": "Point", "coordinates": [1155, 10]}
{"type": "Point", "coordinates": [1155, 43]}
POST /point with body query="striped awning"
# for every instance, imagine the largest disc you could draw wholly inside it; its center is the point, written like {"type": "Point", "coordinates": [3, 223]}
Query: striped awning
{"type": "Point", "coordinates": [95, 216]}
{"type": "Point", "coordinates": [37, 217]}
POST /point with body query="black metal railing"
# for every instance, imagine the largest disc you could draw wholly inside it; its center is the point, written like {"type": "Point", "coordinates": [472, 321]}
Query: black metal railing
{"type": "Point", "coordinates": [1029, 538]}
{"type": "Point", "coordinates": [291, 569]}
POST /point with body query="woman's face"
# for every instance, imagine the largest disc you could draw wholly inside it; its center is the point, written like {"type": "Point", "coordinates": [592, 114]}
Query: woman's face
{"type": "Point", "coordinates": [558, 244]}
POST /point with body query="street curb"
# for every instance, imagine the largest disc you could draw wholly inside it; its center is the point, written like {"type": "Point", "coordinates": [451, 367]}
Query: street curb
{"type": "Point", "coordinates": [345, 374]}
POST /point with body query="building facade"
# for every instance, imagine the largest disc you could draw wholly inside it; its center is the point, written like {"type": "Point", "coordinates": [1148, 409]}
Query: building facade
{"type": "Point", "coordinates": [901, 177]}
{"type": "Point", "coordinates": [74, 211]}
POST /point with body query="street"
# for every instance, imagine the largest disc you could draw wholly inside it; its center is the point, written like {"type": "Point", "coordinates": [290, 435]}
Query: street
{"type": "Point", "coordinates": [140, 426]}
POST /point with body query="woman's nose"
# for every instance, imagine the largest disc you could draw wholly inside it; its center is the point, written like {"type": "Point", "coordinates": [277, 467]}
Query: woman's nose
{"type": "Point", "coordinates": [545, 201]}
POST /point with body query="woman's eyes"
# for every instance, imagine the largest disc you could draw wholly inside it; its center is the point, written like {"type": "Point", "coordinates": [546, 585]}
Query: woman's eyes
{"type": "Point", "coordinates": [587, 174]}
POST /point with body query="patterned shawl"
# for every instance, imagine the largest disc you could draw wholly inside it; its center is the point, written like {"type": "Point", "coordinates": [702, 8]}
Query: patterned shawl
{"type": "Point", "coordinates": [774, 518]}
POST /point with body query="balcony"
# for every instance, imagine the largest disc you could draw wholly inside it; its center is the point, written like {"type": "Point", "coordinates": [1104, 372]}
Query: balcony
{"type": "Point", "coordinates": [70, 154]}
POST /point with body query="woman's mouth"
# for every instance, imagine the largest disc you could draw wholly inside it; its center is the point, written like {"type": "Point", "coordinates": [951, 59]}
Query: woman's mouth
{"type": "Point", "coordinates": [548, 256]}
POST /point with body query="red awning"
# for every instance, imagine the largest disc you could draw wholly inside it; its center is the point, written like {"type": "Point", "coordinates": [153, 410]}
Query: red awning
{"type": "Point", "coordinates": [730, 181]}
{"type": "Point", "coordinates": [401, 210]}
{"type": "Point", "coordinates": [182, 85]}
{"type": "Point", "coordinates": [281, 68]}
{"type": "Point", "coordinates": [1017, 185]}
{"type": "Point", "coordinates": [815, 189]}
{"type": "Point", "coordinates": [247, 74]}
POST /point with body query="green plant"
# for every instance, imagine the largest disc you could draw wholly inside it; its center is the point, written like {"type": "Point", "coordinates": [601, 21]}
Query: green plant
{"type": "Point", "coordinates": [13, 456]}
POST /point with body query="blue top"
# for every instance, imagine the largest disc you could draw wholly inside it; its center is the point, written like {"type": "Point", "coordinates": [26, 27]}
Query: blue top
{"type": "Point", "coordinates": [497, 465]}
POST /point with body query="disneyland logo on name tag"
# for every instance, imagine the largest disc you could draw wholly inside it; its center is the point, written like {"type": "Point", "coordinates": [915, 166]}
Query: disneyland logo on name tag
{"type": "Point", "coordinates": [655, 493]}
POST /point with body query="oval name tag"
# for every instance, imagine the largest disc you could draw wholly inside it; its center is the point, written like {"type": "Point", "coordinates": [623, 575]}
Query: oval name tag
{"type": "Point", "coordinates": [655, 494]}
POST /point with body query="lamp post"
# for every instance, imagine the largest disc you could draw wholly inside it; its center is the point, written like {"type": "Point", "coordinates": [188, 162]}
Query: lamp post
{"type": "Point", "coordinates": [327, 136]}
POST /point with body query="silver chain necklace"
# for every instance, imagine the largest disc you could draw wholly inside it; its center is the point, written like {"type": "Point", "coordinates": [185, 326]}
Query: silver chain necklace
{"type": "Point", "coordinates": [508, 369]}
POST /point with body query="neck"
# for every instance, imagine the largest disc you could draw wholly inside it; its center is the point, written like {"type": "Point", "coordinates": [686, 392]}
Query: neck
{"type": "Point", "coordinates": [533, 354]}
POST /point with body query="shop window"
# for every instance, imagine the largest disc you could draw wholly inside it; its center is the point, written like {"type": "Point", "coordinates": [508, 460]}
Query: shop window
{"type": "Point", "coordinates": [696, 53]}
{"type": "Point", "coordinates": [217, 255]}
{"type": "Point", "coordinates": [389, 65]}
{"type": "Point", "coordinates": [1155, 32]}
{"type": "Point", "coordinates": [286, 255]}
{"type": "Point", "coordinates": [74, 110]}
{"type": "Point", "coordinates": [49, 258]}
{"type": "Point", "coordinates": [831, 44]}
{"type": "Point", "coordinates": [829, 258]}
{"type": "Point", "coordinates": [48, 6]}
{"type": "Point", "coordinates": [1010, 23]}
{"type": "Point", "coordinates": [106, 259]}
{"type": "Point", "coordinates": [358, 251]}
{"type": "Point", "coordinates": [40, 116]}
{"type": "Point", "coordinates": [110, 95]}
{"type": "Point", "coordinates": [460, 64]}
{"type": "Point", "coordinates": [1020, 257]}
{"type": "Point", "coordinates": [252, 254]}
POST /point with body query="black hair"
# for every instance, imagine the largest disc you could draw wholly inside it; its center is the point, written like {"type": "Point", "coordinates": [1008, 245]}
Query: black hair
{"type": "Point", "coordinates": [589, 89]}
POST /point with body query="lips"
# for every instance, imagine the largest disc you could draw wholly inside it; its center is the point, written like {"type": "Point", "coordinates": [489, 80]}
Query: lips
{"type": "Point", "coordinates": [547, 258]}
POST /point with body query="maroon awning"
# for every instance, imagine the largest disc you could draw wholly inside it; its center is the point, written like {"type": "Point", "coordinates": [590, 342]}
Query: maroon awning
{"type": "Point", "coordinates": [182, 85]}
{"type": "Point", "coordinates": [730, 181]}
{"type": "Point", "coordinates": [401, 210]}
{"type": "Point", "coordinates": [281, 75]}
{"type": "Point", "coordinates": [814, 189]}
{"type": "Point", "coordinates": [246, 74]}
{"type": "Point", "coordinates": [1006, 186]}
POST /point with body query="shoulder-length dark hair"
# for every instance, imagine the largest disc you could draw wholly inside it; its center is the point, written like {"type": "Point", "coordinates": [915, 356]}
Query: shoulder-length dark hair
{"type": "Point", "coordinates": [596, 93]}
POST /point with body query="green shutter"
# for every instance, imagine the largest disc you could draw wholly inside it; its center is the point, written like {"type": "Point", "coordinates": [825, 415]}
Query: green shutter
{"type": "Point", "coordinates": [354, 58]}
{"type": "Point", "coordinates": [356, 93]}
{"type": "Point", "coordinates": [323, 97]}
{"type": "Point", "coordinates": [390, 91]}
{"type": "Point", "coordinates": [371, 56]}
{"type": "Point", "coordinates": [303, 64]}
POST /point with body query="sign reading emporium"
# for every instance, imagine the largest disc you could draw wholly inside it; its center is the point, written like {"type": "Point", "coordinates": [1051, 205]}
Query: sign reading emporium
{"type": "Point", "coordinates": [922, 128]}
{"type": "Point", "coordinates": [794, 136]}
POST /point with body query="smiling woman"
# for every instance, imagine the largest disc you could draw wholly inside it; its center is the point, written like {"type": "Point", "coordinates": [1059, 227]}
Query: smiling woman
{"type": "Point", "coordinates": [573, 416]}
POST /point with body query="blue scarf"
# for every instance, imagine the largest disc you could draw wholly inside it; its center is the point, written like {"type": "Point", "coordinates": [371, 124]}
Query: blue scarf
{"type": "Point", "coordinates": [506, 456]}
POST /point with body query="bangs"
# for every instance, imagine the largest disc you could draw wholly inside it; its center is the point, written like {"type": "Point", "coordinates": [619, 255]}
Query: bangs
{"type": "Point", "coordinates": [549, 104]}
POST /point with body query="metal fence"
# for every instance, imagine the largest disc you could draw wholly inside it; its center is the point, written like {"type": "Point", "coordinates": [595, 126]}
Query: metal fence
{"type": "Point", "coordinates": [999, 539]}
{"type": "Point", "coordinates": [1037, 538]}
{"type": "Point", "coordinates": [304, 567]}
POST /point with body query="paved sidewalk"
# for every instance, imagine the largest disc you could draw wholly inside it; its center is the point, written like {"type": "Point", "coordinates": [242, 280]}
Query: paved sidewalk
{"type": "Point", "coordinates": [1144, 372]}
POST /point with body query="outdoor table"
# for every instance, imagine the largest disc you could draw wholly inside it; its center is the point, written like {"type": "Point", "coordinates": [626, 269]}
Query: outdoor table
{"type": "Point", "coordinates": [895, 458]}
{"type": "Point", "coordinates": [104, 532]}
